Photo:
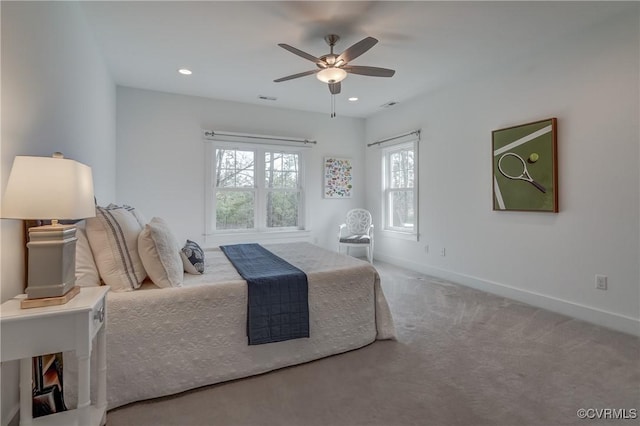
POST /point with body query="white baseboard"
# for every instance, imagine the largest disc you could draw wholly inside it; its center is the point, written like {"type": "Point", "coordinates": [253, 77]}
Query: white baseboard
{"type": "Point", "coordinates": [596, 316]}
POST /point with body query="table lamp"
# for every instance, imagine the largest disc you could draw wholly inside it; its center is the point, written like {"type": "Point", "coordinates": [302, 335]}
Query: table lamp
{"type": "Point", "coordinates": [49, 188]}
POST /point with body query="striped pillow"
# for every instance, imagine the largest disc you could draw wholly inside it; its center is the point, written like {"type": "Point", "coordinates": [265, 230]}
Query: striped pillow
{"type": "Point", "coordinates": [113, 236]}
{"type": "Point", "coordinates": [135, 212]}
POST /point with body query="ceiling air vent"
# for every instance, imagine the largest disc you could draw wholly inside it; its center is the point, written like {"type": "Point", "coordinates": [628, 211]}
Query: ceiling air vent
{"type": "Point", "coordinates": [267, 98]}
{"type": "Point", "coordinates": [389, 104]}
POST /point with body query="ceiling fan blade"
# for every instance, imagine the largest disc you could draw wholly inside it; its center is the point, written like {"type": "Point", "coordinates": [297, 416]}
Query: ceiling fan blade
{"type": "Point", "coordinates": [301, 53]}
{"type": "Point", "coordinates": [300, 74]}
{"type": "Point", "coordinates": [357, 49]}
{"type": "Point", "coordinates": [370, 71]}
{"type": "Point", "coordinates": [334, 88]}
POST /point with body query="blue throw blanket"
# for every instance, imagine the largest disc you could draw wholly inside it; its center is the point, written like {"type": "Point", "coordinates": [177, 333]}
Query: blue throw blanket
{"type": "Point", "coordinates": [278, 305]}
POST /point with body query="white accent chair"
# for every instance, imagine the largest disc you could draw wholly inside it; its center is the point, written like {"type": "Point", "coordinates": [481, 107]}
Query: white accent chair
{"type": "Point", "coordinates": [359, 232]}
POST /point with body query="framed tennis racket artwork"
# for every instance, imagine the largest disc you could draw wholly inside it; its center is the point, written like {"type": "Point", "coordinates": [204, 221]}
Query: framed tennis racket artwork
{"type": "Point", "coordinates": [525, 167]}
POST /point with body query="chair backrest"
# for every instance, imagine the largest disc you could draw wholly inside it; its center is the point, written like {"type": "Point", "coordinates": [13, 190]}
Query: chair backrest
{"type": "Point", "coordinates": [358, 221]}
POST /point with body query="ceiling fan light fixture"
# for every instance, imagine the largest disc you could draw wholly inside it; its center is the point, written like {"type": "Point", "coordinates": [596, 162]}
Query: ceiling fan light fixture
{"type": "Point", "coordinates": [331, 75]}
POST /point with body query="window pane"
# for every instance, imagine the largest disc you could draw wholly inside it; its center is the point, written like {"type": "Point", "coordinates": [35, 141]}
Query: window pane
{"type": "Point", "coordinates": [401, 209]}
{"type": "Point", "coordinates": [401, 169]}
{"type": "Point", "coordinates": [234, 210]}
{"type": "Point", "coordinates": [282, 208]}
{"type": "Point", "coordinates": [398, 180]}
{"type": "Point", "coordinates": [281, 170]}
{"type": "Point", "coordinates": [235, 168]}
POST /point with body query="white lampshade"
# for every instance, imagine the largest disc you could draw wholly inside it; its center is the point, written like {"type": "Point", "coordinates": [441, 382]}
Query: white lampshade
{"type": "Point", "coordinates": [332, 75]}
{"type": "Point", "coordinates": [48, 188]}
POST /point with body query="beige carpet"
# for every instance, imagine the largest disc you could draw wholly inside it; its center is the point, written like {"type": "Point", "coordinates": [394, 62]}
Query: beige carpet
{"type": "Point", "coordinates": [463, 357]}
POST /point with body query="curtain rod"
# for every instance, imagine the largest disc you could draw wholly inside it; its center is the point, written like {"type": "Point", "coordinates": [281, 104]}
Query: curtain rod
{"type": "Point", "coordinates": [211, 134]}
{"type": "Point", "coordinates": [415, 132]}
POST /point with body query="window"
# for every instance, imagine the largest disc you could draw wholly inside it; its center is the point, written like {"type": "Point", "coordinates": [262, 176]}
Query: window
{"type": "Point", "coordinates": [400, 201]}
{"type": "Point", "coordinates": [235, 189]}
{"type": "Point", "coordinates": [256, 188]}
{"type": "Point", "coordinates": [282, 187]}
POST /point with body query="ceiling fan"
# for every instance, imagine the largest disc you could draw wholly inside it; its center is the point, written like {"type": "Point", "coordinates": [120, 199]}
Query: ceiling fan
{"type": "Point", "coordinates": [333, 68]}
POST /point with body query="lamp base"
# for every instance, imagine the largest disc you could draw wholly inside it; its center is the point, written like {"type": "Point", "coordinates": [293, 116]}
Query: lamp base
{"type": "Point", "coordinates": [52, 261]}
{"type": "Point", "coordinates": [49, 301]}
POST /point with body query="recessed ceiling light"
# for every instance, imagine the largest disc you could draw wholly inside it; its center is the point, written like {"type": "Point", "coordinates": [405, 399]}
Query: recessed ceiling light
{"type": "Point", "coordinates": [353, 98]}
{"type": "Point", "coordinates": [185, 71]}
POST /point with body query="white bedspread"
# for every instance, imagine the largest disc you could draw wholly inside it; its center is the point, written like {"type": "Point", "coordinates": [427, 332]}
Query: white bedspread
{"type": "Point", "coordinates": [165, 341]}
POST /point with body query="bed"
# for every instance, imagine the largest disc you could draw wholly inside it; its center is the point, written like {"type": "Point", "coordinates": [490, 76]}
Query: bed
{"type": "Point", "coordinates": [162, 341]}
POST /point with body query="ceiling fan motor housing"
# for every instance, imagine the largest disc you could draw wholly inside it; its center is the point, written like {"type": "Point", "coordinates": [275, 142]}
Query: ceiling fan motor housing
{"type": "Point", "coordinates": [328, 60]}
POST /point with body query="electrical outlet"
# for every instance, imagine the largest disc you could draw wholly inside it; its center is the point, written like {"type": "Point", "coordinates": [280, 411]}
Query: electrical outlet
{"type": "Point", "coordinates": [443, 252]}
{"type": "Point", "coordinates": [601, 282]}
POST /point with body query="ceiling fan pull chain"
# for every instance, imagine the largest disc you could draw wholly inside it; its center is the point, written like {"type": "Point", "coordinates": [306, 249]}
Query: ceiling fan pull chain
{"type": "Point", "coordinates": [333, 106]}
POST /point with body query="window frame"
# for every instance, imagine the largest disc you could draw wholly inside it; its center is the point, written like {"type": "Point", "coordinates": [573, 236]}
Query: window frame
{"type": "Point", "coordinates": [387, 191]}
{"type": "Point", "coordinates": [259, 189]}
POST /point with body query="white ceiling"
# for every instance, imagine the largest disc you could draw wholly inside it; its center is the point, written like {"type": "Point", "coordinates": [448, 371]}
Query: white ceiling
{"type": "Point", "coordinates": [232, 46]}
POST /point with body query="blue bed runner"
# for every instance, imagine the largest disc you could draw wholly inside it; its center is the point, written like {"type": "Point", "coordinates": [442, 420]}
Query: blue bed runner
{"type": "Point", "coordinates": [278, 305]}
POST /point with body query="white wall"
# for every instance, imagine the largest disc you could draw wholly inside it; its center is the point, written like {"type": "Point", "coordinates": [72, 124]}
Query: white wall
{"type": "Point", "coordinates": [160, 155]}
{"type": "Point", "coordinates": [56, 96]}
{"type": "Point", "coordinates": [590, 82]}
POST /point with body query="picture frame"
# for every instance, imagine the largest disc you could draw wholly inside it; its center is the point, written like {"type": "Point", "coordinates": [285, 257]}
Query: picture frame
{"type": "Point", "coordinates": [47, 392]}
{"type": "Point", "coordinates": [525, 167]}
{"type": "Point", "coordinates": [338, 177]}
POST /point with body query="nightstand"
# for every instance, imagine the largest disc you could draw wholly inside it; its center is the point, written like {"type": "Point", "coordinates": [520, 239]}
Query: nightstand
{"type": "Point", "coordinates": [32, 332]}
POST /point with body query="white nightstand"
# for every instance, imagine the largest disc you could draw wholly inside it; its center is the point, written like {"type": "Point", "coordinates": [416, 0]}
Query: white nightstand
{"type": "Point", "coordinates": [32, 332]}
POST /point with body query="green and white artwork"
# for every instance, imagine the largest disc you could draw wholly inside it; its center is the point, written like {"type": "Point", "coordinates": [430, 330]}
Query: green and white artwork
{"type": "Point", "coordinates": [525, 168]}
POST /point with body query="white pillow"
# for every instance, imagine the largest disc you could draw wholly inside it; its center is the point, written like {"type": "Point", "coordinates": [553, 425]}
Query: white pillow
{"type": "Point", "coordinates": [86, 269]}
{"type": "Point", "coordinates": [160, 254]}
{"type": "Point", "coordinates": [113, 236]}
